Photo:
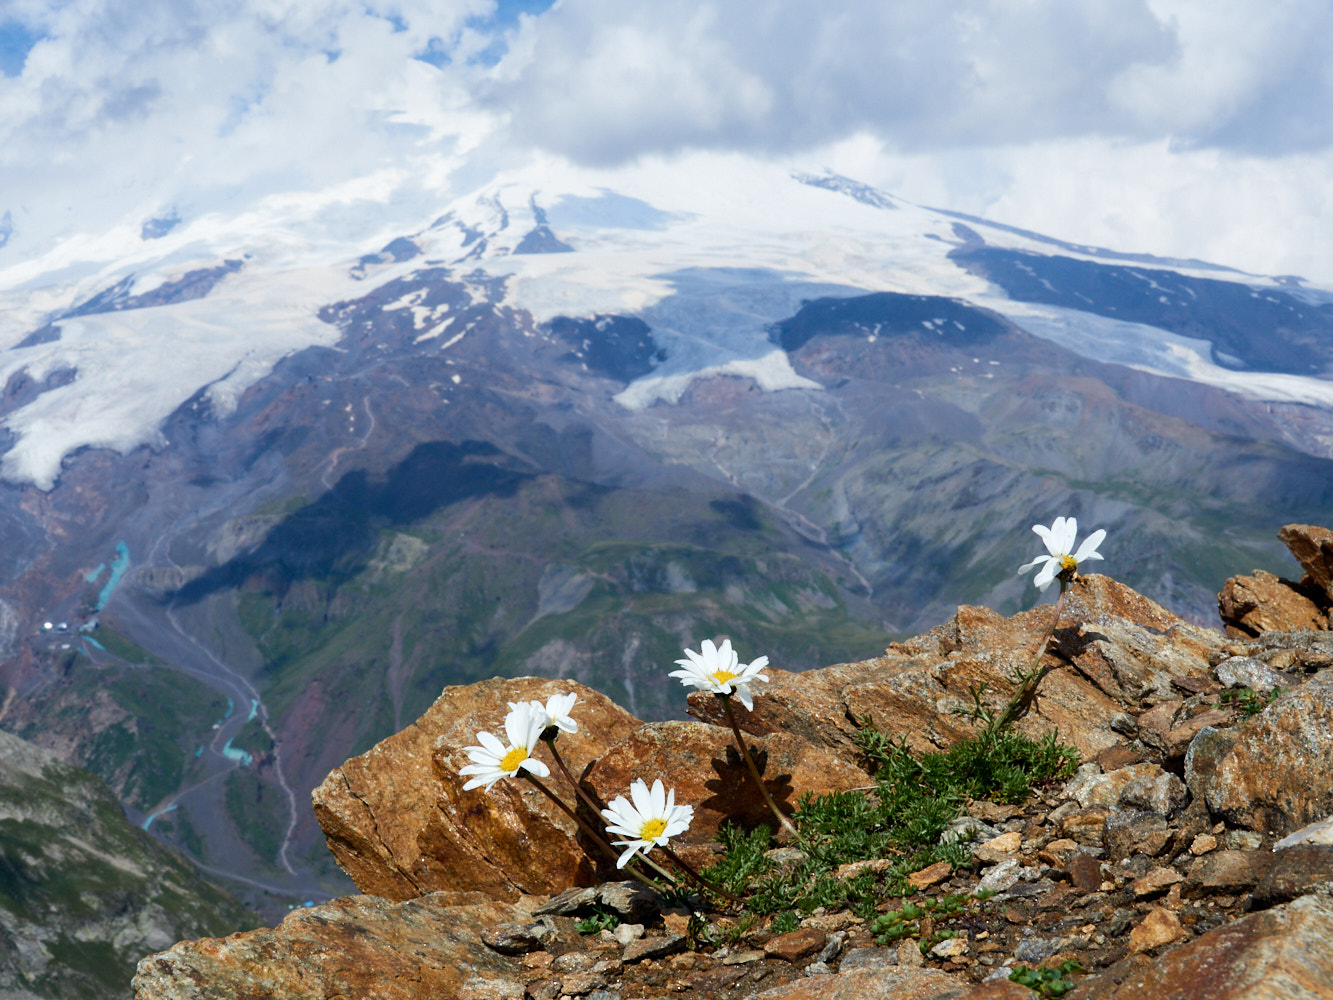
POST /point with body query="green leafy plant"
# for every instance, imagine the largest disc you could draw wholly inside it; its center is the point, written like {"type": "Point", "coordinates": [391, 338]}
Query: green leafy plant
{"type": "Point", "coordinates": [601, 919]}
{"type": "Point", "coordinates": [1247, 701]}
{"type": "Point", "coordinates": [1048, 982]}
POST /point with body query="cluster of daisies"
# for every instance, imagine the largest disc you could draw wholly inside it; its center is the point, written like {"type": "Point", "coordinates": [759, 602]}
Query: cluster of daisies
{"type": "Point", "coordinates": [650, 817]}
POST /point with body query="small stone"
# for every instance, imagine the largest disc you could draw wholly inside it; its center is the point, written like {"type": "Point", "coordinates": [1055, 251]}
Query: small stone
{"type": "Point", "coordinates": [1164, 794]}
{"type": "Point", "coordinates": [743, 957]}
{"type": "Point", "coordinates": [512, 939]}
{"type": "Point", "coordinates": [930, 875]}
{"type": "Point", "coordinates": [855, 868]}
{"type": "Point", "coordinates": [626, 933]}
{"type": "Point", "coordinates": [538, 960]}
{"type": "Point", "coordinates": [1245, 671]}
{"type": "Point", "coordinates": [1134, 831]}
{"type": "Point", "coordinates": [795, 945]}
{"type": "Point", "coordinates": [1156, 881]}
{"type": "Point", "coordinates": [676, 923]}
{"type": "Point", "coordinates": [818, 969]}
{"type": "Point", "coordinates": [1202, 844]}
{"type": "Point", "coordinates": [654, 947]}
{"type": "Point", "coordinates": [1243, 840]}
{"type": "Point", "coordinates": [573, 961]}
{"type": "Point", "coordinates": [1158, 928]}
{"type": "Point", "coordinates": [998, 849]}
{"type": "Point", "coordinates": [630, 900]}
{"type": "Point", "coordinates": [1085, 872]}
{"type": "Point", "coordinates": [863, 958]}
{"type": "Point", "coordinates": [1001, 877]}
{"type": "Point", "coordinates": [950, 948]}
{"type": "Point", "coordinates": [909, 954]}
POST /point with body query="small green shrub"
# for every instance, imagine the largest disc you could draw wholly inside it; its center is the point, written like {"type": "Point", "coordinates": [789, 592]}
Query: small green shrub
{"type": "Point", "coordinates": [601, 919]}
{"type": "Point", "coordinates": [1047, 982]}
{"type": "Point", "coordinates": [1247, 701]}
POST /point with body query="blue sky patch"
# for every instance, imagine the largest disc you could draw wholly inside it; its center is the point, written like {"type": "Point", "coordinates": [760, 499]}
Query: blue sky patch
{"type": "Point", "coordinates": [16, 41]}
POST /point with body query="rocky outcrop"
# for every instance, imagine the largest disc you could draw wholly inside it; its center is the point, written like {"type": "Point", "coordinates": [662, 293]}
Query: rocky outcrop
{"type": "Point", "coordinates": [399, 823]}
{"type": "Point", "coordinates": [1262, 602]}
{"type": "Point", "coordinates": [361, 946]}
{"type": "Point", "coordinates": [1275, 778]}
{"type": "Point", "coordinates": [1157, 867]}
{"type": "Point", "coordinates": [83, 893]}
{"type": "Point", "coordinates": [1114, 651]}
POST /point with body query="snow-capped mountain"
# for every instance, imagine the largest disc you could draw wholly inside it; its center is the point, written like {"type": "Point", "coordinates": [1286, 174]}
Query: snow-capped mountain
{"type": "Point", "coordinates": [290, 473]}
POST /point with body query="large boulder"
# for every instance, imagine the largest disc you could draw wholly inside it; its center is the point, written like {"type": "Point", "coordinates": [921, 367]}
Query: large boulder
{"type": "Point", "coordinates": [1275, 778]}
{"type": "Point", "coordinates": [1279, 954]}
{"type": "Point", "coordinates": [1313, 548]}
{"type": "Point", "coordinates": [1114, 651]}
{"type": "Point", "coordinates": [356, 946]}
{"type": "Point", "coordinates": [1261, 602]}
{"type": "Point", "coordinates": [399, 823]}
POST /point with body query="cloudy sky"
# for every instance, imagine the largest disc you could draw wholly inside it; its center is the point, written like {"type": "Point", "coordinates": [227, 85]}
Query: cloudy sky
{"type": "Point", "coordinates": [1181, 127]}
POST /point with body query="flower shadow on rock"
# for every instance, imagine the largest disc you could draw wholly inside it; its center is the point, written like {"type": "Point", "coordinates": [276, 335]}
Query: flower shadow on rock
{"type": "Point", "coordinates": [734, 791]}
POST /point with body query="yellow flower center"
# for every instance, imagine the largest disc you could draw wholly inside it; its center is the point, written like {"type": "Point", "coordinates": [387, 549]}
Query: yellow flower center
{"type": "Point", "coordinates": [722, 676]}
{"type": "Point", "coordinates": [511, 760]}
{"type": "Point", "coordinates": [652, 829]}
{"type": "Point", "coordinates": [1068, 563]}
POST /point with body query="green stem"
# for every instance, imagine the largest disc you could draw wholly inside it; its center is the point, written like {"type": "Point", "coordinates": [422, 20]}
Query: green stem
{"type": "Point", "coordinates": [754, 770]}
{"type": "Point", "coordinates": [1027, 691]}
{"type": "Point", "coordinates": [688, 869]}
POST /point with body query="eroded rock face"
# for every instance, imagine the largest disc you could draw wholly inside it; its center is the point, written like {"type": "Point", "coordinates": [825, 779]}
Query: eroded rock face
{"type": "Point", "coordinates": [399, 823]}
{"type": "Point", "coordinates": [1263, 602]}
{"type": "Point", "coordinates": [357, 946]}
{"type": "Point", "coordinates": [1280, 954]}
{"type": "Point", "coordinates": [1313, 548]}
{"type": "Point", "coordinates": [1113, 650]}
{"type": "Point", "coordinates": [1275, 778]}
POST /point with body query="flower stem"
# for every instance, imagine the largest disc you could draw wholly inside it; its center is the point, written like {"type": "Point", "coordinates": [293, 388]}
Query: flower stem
{"type": "Point", "coordinates": [754, 770]}
{"type": "Point", "coordinates": [596, 837]}
{"type": "Point", "coordinates": [688, 869]}
{"type": "Point", "coordinates": [1027, 691]}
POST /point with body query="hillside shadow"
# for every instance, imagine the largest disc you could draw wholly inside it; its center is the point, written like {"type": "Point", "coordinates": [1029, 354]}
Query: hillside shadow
{"type": "Point", "coordinates": [333, 539]}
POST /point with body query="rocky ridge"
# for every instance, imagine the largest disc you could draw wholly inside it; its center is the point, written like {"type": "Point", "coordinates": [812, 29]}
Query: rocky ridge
{"type": "Point", "coordinates": [1185, 858]}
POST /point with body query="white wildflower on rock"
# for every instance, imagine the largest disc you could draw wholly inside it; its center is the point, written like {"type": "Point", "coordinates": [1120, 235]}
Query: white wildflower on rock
{"type": "Point", "coordinates": [493, 760]}
{"type": "Point", "coordinates": [555, 712]}
{"type": "Point", "coordinates": [718, 669]}
{"type": "Point", "coordinates": [649, 821]}
{"type": "Point", "coordinates": [1060, 559]}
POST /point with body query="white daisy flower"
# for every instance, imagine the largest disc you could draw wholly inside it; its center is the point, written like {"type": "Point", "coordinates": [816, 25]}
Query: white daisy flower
{"type": "Point", "coordinates": [493, 760]}
{"type": "Point", "coordinates": [649, 822]}
{"type": "Point", "coordinates": [556, 712]}
{"type": "Point", "coordinates": [718, 669]}
{"type": "Point", "coordinates": [1058, 561]}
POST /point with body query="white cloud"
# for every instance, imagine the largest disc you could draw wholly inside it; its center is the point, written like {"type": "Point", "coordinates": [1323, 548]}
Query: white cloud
{"type": "Point", "coordinates": [1188, 127]}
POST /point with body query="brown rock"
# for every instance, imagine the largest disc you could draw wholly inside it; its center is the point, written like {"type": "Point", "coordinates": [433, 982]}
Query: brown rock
{"type": "Point", "coordinates": [795, 945]}
{"type": "Point", "coordinates": [350, 947]}
{"type": "Point", "coordinates": [999, 989]}
{"type": "Point", "coordinates": [1159, 927]}
{"type": "Point", "coordinates": [1085, 872]}
{"type": "Point", "coordinates": [1263, 602]}
{"type": "Point", "coordinates": [1274, 779]}
{"type": "Point", "coordinates": [930, 875]}
{"type": "Point", "coordinates": [1280, 954]}
{"type": "Point", "coordinates": [892, 981]}
{"type": "Point", "coordinates": [1121, 646]}
{"type": "Point", "coordinates": [998, 849]}
{"type": "Point", "coordinates": [707, 771]}
{"type": "Point", "coordinates": [1134, 831]}
{"type": "Point", "coordinates": [1296, 871]}
{"type": "Point", "coordinates": [1226, 872]}
{"type": "Point", "coordinates": [1313, 548]}
{"type": "Point", "coordinates": [1085, 825]}
{"type": "Point", "coordinates": [1202, 844]}
{"type": "Point", "coordinates": [399, 823]}
{"type": "Point", "coordinates": [1155, 882]}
